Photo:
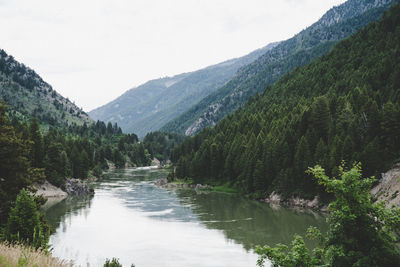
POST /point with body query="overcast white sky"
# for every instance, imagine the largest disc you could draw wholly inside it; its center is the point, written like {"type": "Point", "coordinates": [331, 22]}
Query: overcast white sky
{"type": "Point", "coordinates": [92, 51]}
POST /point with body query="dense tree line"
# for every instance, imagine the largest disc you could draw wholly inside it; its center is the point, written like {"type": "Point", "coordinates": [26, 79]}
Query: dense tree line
{"type": "Point", "coordinates": [344, 106]}
{"type": "Point", "coordinates": [160, 144]}
{"type": "Point", "coordinates": [30, 154]}
{"type": "Point", "coordinates": [311, 43]}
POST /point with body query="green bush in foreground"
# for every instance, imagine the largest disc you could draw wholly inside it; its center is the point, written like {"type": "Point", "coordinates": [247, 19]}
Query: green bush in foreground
{"type": "Point", "coordinates": [114, 263]}
{"type": "Point", "coordinates": [24, 224]}
{"type": "Point", "coordinates": [361, 232]}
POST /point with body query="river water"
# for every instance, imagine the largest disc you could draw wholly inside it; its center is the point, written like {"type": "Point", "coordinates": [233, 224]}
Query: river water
{"type": "Point", "coordinates": [132, 219]}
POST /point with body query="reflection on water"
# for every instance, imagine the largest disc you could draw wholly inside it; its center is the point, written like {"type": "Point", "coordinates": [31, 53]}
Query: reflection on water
{"type": "Point", "coordinates": [250, 222]}
{"type": "Point", "coordinates": [66, 208]}
{"type": "Point", "coordinates": [132, 219]}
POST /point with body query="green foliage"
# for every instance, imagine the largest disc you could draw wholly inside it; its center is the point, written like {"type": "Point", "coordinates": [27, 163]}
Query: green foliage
{"type": "Point", "coordinates": [97, 171]}
{"type": "Point", "coordinates": [114, 263]}
{"type": "Point", "coordinates": [37, 152]}
{"type": "Point", "coordinates": [14, 165]}
{"type": "Point", "coordinates": [24, 224]}
{"type": "Point", "coordinates": [160, 144]}
{"type": "Point", "coordinates": [29, 96]}
{"type": "Point", "coordinates": [344, 106]}
{"type": "Point", "coordinates": [297, 256]}
{"type": "Point", "coordinates": [118, 159]}
{"type": "Point", "coordinates": [311, 43]}
{"type": "Point", "coordinates": [361, 232]}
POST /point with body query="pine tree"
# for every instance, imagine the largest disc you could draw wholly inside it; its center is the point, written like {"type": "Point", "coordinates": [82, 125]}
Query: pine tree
{"type": "Point", "coordinates": [259, 179]}
{"type": "Point", "coordinates": [302, 160]}
{"type": "Point", "coordinates": [24, 223]}
{"type": "Point", "coordinates": [14, 164]}
{"type": "Point", "coordinates": [37, 150]}
{"type": "Point", "coordinates": [320, 117]}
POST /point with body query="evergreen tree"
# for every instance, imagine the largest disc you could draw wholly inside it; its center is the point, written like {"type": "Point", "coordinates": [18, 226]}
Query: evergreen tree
{"type": "Point", "coordinates": [37, 149]}
{"type": "Point", "coordinates": [321, 117]}
{"type": "Point", "coordinates": [14, 164]}
{"type": "Point", "coordinates": [259, 178]}
{"type": "Point", "coordinates": [24, 223]}
{"type": "Point", "coordinates": [118, 158]}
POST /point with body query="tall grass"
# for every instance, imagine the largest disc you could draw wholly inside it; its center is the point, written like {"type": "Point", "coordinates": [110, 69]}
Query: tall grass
{"type": "Point", "coordinates": [20, 256]}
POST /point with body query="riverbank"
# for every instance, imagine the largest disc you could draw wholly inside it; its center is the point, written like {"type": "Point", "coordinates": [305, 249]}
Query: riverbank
{"type": "Point", "coordinates": [387, 190]}
{"type": "Point", "coordinates": [144, 218]}
{"type": "Point", "coordinates": [181, 184]}
{"type": "Point", "coordinates": [273, 198]}
{"type": "Point", "coordinates": [73, 186]}
{"type": "Point", "coordinates": [314, 204]}
{"type": "Point", "coordinates": [17, 255]}
{"type": "Point", "coordinates": [54, 194]}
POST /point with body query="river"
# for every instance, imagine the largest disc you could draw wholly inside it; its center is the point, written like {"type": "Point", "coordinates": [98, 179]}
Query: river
{"type": "Point", "coordinates": [132, 219]}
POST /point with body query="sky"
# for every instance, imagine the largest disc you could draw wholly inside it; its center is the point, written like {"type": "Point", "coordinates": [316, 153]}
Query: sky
{"type": "Point", "coordinates": [92, 51]}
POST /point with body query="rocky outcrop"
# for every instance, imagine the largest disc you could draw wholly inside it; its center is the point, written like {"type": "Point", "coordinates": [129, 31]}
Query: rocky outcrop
{"type": "Point", "coordinates": [276, 199]}
{"type": "Point", "coordinates": [164, 183]}
{"type": "Point", "coordinates": [156, 162]}
{"type": "Point", "coordinates": [388, 188]}
{"type": "Point", "coordinates": [161, 182]}
{"type": "Point", "coordinates": [48, 190]}
{"type": "Point", "coordinates": [77, 187]}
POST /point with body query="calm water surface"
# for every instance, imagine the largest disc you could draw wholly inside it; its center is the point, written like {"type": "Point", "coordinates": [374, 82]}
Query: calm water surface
{"type": "Point", "coordinates": [132, 219]}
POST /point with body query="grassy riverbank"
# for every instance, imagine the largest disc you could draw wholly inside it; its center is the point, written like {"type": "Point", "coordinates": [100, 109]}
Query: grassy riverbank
{"type": "Point", "coordinates": [20, 256]}
{"type": "Point", "coordinates": [224, 189]}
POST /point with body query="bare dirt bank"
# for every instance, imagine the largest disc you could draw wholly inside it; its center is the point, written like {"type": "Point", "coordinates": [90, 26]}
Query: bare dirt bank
{"type": "Point", "coordinates": [388, 188]}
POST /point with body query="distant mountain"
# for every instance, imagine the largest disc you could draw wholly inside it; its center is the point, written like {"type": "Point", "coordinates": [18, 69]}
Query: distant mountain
{"type": "Point", "coordinates": [148, 107]}
{"type": "Point", "coordinates": [313, 42]}
{"type": "Point", "coordinates": [340, 109]}
{"type": "Point", "coordinates": [27, 95]}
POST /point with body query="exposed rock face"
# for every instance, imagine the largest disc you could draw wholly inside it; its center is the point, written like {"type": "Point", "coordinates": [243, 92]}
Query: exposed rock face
{"type": "Point", "coordinates": [48, 190]}
{"type": "Point", "coordinates": [77, 187]}
{"type": "Point", "coordinates": [164, 183]}
{"type": "Point", "coordinates": [276, 199]}
{"type": "Point", "coordinates": [388, 189]}
{"type": "Point", "coordinates": [156, 162]}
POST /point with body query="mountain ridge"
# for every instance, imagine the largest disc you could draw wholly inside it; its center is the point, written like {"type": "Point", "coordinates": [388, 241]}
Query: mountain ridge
{"type": "Point", "coordinates": [149, 106]}
{"type": "Point", "coordinates": [339, 110]}
{"type": "Point", "coordinates": [28, 95]}
{"type": "Point", "coordinates": [256, 76]}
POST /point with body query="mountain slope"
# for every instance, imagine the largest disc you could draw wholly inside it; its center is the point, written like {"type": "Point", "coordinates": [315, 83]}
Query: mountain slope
{"type": "Point", "coordinates": [27, 95]}
{"type": "Point", "coordinates": [149, 106]}
{"type": "Point", "coordinates": [343, 106]}
{"type": "Point", "coordinates": [337, 24]}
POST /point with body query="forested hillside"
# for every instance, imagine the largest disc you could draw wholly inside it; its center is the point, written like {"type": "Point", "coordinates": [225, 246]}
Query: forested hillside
{"type": "Point", "coordinates": [27, 95]}
{"type": "Point", "coordinates": [44, 136]}
{"type": "Point", "coordinates": [343, 106]}
{"type": "Point", "coordinates": [148, 107]}
{"type": "Point", "coordinates": [313, 42]}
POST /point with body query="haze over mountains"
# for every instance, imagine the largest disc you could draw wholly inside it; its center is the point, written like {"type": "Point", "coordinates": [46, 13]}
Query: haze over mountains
{"type": "Point", "coordinates": [341, 109]}
{"type": "Point", "coordinates": [313, 42]}
{"type": "Point", "coordinates": [149, 106]}
{"type": "Point", "coordinates": [188, 102]}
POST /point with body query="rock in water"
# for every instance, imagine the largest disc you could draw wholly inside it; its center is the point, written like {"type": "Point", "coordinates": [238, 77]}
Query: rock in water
{"type": "Point", "coordinates": [77, 187]}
